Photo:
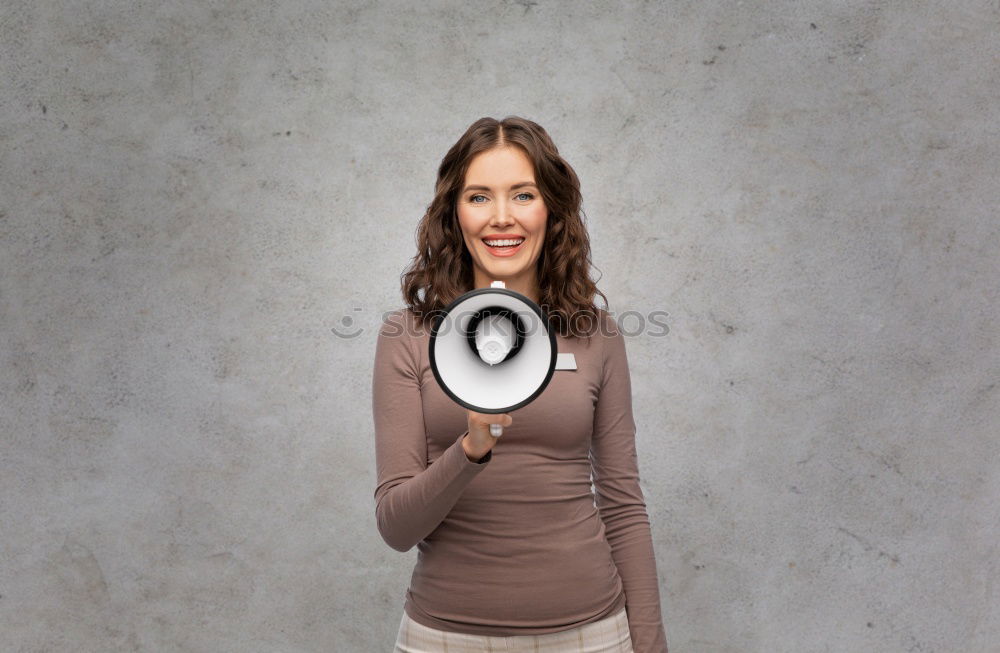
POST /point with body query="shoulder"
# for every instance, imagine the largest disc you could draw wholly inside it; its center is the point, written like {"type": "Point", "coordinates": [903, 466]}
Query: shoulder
{"type": "Point", "coordinates": [401, 322]}
{"type": "Point", "coordinates": [608, 325]}
{"type": "Point", "coordinates": [403, 332]}
{"type": "Point", "coordinates": [395, 332]}
{"type": "Point", "coordinates": [611, 337]}
{"type": "Point", "coordinates": [397, 345]}
{"type": "Point", "coordinates": [607, 330]}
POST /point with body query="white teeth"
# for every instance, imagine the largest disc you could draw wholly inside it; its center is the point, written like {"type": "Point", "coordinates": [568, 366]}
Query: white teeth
{"type": "Point", "coordinates": [501, 243]}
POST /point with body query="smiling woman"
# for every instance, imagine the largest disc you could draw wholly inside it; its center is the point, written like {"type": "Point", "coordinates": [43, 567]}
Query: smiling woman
{"type": "Point", "coordinates": [516, 551]}
{"type": "Point", "coordinates": [505, 179]}
{"type": "Point", "coordinates": [503, 220]}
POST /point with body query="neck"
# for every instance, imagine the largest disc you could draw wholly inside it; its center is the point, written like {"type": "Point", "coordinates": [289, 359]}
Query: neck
{"type": "Point", "coordinates": [529, 290]}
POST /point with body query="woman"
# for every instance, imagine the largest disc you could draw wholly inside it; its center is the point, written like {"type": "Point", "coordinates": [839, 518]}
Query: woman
{"type": "Point", "coordinates": [515, 552]}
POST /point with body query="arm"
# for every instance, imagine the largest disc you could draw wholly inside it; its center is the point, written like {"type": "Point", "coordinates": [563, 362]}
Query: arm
{"type": "Point", "coordinates": [620, 501]}
{"type": "Point", "coordinates": [411, 497]}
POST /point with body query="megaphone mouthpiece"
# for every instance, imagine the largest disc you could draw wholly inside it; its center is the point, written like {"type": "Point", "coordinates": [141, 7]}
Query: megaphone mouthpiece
{"type": "Point", "coordinates": [494, 339]}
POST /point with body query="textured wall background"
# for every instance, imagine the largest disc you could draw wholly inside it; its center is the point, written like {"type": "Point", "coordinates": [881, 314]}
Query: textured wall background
{"type": "Point", "coordinates": [195, 198]}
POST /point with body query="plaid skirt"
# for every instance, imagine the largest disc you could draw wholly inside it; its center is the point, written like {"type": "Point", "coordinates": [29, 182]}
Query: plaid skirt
{"type": "Point", "coordinates": [609, 635]}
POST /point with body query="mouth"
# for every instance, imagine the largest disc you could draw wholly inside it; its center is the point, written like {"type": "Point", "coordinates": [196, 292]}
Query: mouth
{"type": "Point", "coordinates": [503, 248]}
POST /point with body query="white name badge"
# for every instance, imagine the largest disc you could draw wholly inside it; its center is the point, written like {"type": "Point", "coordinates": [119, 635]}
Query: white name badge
{"type": "Point", "coordinates": [565, 362]}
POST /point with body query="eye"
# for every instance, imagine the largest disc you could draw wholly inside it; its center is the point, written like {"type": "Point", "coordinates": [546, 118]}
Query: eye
{"type": "Point", "coordinates": [472, 200]}
{"type": "Point", "coordinates": [527, 196]}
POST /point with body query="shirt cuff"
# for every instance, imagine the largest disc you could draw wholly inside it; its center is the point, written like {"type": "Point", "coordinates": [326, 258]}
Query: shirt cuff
{"type": "Point", "coordinates": [475, 463]}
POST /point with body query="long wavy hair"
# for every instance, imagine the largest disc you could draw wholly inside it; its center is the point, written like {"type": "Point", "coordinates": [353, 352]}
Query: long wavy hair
{"type": "Point", "coordinates": [442, 269]}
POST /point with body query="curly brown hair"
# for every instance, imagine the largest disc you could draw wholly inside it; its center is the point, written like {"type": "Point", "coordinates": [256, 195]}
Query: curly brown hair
{"type": "Point", "coordinates": [442, 270]}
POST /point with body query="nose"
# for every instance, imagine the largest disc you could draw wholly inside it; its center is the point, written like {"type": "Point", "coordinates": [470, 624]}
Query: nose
{"type": "Point", "coordinates": [501, 216]}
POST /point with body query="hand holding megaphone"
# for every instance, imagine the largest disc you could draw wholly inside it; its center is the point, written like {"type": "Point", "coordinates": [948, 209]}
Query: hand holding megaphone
{"type": "Point", "coordinates": [481, 439]}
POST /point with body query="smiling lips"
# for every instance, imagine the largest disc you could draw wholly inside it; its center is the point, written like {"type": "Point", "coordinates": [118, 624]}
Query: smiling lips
{"type": "Point", "coordinates": [503, 246]}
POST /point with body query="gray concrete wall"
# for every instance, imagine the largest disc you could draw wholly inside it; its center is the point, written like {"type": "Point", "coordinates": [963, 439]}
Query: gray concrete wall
{"type": "Point", "coordinates": [196, 198]}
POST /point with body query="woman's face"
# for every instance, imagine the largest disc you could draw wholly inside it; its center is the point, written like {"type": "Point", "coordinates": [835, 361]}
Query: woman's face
{"type": "Point", "coordinates": [499, 200]}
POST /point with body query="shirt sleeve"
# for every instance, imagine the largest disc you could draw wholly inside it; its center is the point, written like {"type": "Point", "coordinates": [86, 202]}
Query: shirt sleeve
{"type": "Point", "coordinates": [620, 501]}
{"type": "Point", "coordinates": [411, 497]}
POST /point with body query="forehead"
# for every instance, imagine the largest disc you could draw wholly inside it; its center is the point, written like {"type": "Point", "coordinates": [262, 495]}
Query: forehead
{"type": "Point", "coordinates": [499, 165]}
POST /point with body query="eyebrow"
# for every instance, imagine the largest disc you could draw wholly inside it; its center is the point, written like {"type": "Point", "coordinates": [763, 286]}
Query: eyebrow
{"type": "Point", "coordinates": [515, 186]}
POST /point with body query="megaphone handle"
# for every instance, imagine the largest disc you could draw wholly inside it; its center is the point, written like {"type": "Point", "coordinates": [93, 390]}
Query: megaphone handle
{"type": "Point", "coordinates": [496, 430]}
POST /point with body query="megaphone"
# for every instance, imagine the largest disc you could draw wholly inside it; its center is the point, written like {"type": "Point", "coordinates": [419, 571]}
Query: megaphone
{"type": "Point", "coordinates": [492, 351]}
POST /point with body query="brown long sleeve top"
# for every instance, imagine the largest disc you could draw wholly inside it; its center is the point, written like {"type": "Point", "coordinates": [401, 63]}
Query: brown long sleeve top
{"type": "Point", "coordinates": [516, 543]}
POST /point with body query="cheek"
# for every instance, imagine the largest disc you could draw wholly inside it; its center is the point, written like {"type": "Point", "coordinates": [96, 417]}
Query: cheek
{"type": "Point", "coordinates": [539, 222]}
{"type": "Point", "coordinates": [471, 219]}
{"type": "Point", "coordinates": [535, 219]}
{"type": "Point", "coordinates": [466, 224]}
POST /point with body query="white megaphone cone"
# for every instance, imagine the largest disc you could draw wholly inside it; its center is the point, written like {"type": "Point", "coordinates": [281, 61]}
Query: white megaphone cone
{"type": "Point", "coordinates": [492, 351]}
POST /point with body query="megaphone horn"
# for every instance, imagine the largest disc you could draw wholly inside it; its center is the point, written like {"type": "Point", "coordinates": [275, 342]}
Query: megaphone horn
{"type": "Point", "coordinates": [499, 355]}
